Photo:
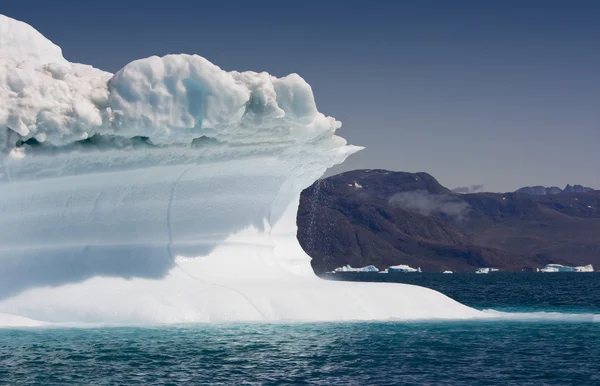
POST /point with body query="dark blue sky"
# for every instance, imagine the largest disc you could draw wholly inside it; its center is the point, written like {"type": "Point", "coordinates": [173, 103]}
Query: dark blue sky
{"type": "Point", "coordinates": [501, 93]}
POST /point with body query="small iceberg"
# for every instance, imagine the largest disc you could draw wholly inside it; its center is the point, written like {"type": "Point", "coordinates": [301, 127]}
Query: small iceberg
{"type": "Point", "coordinates": [486, 270]}
{"type": "Point", "coordinates": [564, 268]}
{"type": "Point", "coordinates": [447, 272]}
{"type": "Point", "coordinates": [348, 268]}
{"type": "Point", "coordinates": [402, 268]}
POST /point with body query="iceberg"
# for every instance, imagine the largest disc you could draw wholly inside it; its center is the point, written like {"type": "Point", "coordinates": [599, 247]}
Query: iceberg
{"type": "Point", "coordinates": [564, 268]}
{"type": "Point", "coordinates": [166, 193]}
{"type": "Point", "coordinates": [486, 270]}
{"type": "Point", "coordinates": [447, 272]}
{"type": "Point", "coordinates": [402, 268]}
{"type": "Point", "coordinates": [348, 268]}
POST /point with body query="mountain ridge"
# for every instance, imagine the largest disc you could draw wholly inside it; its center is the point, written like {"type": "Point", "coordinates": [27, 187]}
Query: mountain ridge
{"type": "Point", "coordinates": [382, 218]}
{"type": "Point", "coordinates": [539, 190]}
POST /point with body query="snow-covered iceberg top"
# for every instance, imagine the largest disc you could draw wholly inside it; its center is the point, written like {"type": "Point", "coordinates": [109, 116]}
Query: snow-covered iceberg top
{"type": "Point", "coordinates": [564, 268]}
{"type": "Point", "coordinates": [169, 100]}
{"type": "Point", "coordinates": [22, 43]}
{"type": "Point", "coordinates": [348, 268]}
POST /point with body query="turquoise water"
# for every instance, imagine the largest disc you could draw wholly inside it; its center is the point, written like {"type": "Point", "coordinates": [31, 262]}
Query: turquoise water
{"type": "Point", "coordinates": [562, 350]}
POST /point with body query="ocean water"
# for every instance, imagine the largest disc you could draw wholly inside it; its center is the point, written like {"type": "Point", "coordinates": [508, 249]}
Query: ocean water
{"type": "Point", "coordinates": [553, 339]}
{"type": "Point", "coordinates": [504, 291]}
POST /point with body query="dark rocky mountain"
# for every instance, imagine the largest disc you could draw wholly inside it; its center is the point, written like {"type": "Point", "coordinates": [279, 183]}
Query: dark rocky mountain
{"type": "Point", "coordinates": [385, 218]}
{"type": "Point", "coordinates": [545, 191]}
{"type": "Point", "coordinates": [576, 189]}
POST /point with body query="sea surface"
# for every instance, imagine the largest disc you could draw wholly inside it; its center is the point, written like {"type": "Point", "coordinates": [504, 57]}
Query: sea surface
{"type": "Point", "coordinates": [551, 336]}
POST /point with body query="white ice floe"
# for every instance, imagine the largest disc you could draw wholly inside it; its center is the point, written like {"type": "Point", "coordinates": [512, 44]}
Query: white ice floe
{"type": "Point", "coordinates": [166, 193]}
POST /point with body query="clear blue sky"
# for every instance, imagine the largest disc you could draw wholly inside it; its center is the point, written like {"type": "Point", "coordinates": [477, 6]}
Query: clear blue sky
{"type": "Point", "coordinates": [500, 93]}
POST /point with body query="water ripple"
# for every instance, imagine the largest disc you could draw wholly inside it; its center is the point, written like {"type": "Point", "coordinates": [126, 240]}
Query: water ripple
{"type": "Point", "coordinates": [327, 353]}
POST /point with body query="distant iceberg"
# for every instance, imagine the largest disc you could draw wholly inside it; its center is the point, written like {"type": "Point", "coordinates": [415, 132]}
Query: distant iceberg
{"type": "Point", "coordinates": [348, 268]}
{"type": "Point", "coordinates": [402, 268]}
{"type": "Point", "coordinates": [486, 270]}
{"type": "Point", "coordinates": [564, 268]}
{"type": "Point", "coordinates": [447, 271]}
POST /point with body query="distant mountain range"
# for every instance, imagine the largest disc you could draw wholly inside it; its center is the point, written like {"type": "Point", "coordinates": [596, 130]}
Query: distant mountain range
{"type": "Point", "coordinates": [545, 191]}
{"type": "Point", "coordinates": [384, 218]}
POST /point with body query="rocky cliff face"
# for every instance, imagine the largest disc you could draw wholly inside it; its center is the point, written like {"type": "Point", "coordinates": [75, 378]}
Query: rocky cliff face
{"type": "Point", "coordinates": [576, 189]}
{"type": "Point", "coordinates": [546, 191]}
{"type": "Point", "coordinates": [385, 218]}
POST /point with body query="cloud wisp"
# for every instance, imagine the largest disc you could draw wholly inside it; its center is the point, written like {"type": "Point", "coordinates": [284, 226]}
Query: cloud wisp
{"type": "Point", "coordinates": [468, 189]}
{"type": "Point", "coordinates": [426, 204]}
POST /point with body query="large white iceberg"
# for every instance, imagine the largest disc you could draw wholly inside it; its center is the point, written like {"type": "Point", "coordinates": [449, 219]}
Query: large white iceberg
{"type": "Point", "coordinates": [166, 193]}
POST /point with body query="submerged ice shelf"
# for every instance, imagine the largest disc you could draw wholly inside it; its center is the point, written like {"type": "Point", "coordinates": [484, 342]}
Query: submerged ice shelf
{"type": "Point", "coordinates": [166, 193]}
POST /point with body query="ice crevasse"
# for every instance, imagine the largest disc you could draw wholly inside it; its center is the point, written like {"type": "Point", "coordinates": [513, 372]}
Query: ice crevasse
{"type": "Point", "coordinates": [166, 193]}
